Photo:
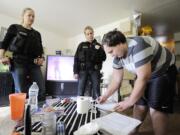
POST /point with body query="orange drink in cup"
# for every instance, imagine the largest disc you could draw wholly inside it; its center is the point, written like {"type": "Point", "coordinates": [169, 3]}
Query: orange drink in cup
{"type": "Point", "coordinates": [17, 104]}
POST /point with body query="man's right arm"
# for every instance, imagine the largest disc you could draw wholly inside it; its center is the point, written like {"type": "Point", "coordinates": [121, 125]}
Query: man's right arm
{"type": "Point", "coordinates": [115, 84]}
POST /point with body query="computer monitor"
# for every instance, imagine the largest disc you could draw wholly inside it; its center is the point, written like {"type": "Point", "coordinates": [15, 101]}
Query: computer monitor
{"type": "Point", "coordinates": [60, 80]}
{"type": "Point", "coordinates": [60, 68]}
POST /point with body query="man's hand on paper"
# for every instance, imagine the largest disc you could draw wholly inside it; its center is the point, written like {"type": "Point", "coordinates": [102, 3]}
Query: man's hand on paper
{"type": "Point", "coordinates": [123, 105]}
{"type": "Point", "coordinates": [102, 99]}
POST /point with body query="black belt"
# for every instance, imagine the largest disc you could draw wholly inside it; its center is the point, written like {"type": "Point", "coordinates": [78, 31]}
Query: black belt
{"type": "Point", "coordinates": [23, 59]}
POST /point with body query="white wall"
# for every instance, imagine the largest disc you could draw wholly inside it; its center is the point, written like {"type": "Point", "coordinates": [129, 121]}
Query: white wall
{"type": "Point", "coordinates": [52, 41]}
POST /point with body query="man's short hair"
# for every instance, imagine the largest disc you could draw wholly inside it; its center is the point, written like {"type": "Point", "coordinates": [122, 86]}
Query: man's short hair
{"type": "Point", "coordinates": [113, 38]}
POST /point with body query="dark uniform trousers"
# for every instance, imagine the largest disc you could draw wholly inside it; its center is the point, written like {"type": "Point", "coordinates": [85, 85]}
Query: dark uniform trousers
{"type": "Point", "coordinates": [94, 76]}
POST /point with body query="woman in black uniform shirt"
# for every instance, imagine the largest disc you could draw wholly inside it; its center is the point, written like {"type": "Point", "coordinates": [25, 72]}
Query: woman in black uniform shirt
{"type": "Point", "coordinates": [25, 43]}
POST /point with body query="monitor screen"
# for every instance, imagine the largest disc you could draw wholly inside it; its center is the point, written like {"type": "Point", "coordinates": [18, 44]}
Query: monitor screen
{"type": "Point", "coordinates": [60, 68]}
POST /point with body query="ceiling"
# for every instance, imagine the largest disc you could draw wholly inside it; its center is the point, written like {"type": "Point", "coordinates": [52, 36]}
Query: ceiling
{"type": "Point", "coordinates": [69, 17]}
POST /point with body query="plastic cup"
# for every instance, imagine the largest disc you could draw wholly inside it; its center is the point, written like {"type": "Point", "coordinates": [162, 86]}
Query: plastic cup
{"type": "Point", "coordinates": [17, 105]}
{"type": "Point", "coordinates": [15, 133]}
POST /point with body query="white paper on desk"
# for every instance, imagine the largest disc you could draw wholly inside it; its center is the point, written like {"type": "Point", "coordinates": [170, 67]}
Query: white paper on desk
{"type": "Point", "coordinates": [106, 106]}
{"type": "Point", "coordinates": [117, 124]}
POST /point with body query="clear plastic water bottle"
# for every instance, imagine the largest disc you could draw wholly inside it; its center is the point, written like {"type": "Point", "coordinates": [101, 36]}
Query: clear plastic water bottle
{"type": "Point", "coordinates": [60, 128]}
{"type": "Point", "coordinates": [33, 97]}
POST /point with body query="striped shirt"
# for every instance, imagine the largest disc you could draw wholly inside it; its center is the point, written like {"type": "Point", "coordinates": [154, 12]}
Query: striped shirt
{"type": "Point", "coordinates": [142, 50]}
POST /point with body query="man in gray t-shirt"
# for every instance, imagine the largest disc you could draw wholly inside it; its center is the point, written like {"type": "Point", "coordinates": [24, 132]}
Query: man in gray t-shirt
{"type": "Point", "coordinates": [155, 73]}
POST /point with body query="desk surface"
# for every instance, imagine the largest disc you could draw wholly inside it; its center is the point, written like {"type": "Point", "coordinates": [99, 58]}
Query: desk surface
{"type": "Point", "coordinates": [72, 120]}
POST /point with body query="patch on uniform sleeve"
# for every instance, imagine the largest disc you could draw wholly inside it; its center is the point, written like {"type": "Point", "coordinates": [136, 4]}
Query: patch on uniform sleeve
{"type": "Point", "coordinates": [85, 47]}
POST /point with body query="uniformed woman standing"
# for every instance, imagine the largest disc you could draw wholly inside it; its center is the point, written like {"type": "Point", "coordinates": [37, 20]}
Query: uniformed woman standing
{"type": "Point", "coordinates": [26, 46]}
{"type": "Point", "coordinates": [88, 63]}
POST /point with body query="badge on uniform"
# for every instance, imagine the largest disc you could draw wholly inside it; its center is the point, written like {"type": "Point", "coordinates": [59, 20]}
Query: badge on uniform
{"type": "Point", "coordinates": [97, 46]}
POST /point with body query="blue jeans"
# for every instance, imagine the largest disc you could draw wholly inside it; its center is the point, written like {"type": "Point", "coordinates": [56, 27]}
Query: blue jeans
{"type": "Point", "coordinates": [22, 83]}
{"type": "Point", "coordinates": [94, 77]}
